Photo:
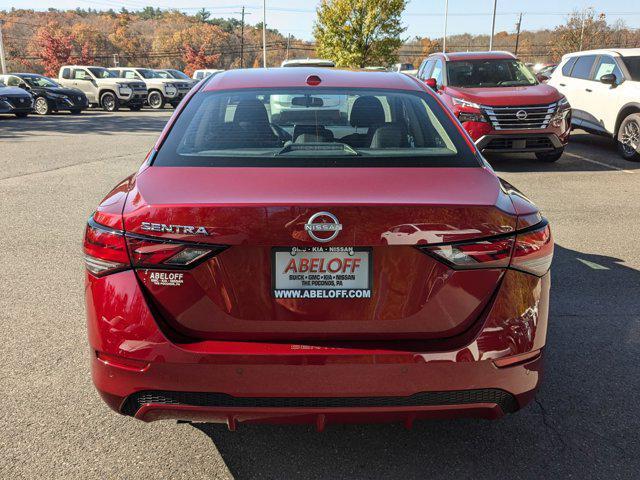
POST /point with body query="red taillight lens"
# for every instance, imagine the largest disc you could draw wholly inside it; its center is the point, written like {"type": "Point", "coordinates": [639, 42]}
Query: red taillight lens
{"type": "Point", "coordinates": [494, 253]}
{"type": "Point", "coordinates": [105, 250]}
{"type": "Point", "coordinates": [150, 253]}
{"type": "Point", "coordinates": [533, 251]}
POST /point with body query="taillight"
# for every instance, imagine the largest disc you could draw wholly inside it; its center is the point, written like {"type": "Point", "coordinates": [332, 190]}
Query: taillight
{"type": "Point", "coordinates": [107, 251]}
{"type": "Point", "coordinates": [533, 251]}
{"type": "Point", "coordinates": [479, 254]}
{"type": "Point", "coordinates": [530, 251]}
{"type": "Point", "coordinates": [151, 253]}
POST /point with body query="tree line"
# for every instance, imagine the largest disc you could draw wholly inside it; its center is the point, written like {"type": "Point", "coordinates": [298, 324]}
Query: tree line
{"type": "Point", "coordinates": [353, 33]}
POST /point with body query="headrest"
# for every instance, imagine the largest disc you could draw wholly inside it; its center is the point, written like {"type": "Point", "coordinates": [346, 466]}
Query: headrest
{"type": "Point", "coordinates": [251, 111]}
{"type": "Point", "coordinates": [390, 135]}
{"type": "Point", "coordinates": [366, 112]}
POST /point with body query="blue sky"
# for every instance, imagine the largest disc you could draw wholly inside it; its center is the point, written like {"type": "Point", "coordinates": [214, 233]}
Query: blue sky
{"type": "Point", "coordinates": [422, 17]}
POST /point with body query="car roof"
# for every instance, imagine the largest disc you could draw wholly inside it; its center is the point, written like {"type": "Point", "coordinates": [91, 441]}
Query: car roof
{"type": "Point", "coordinates": [460, 56]}
{"type": "Point", "coordinates": [621, 52]}
{"type": "Point", "coordinates": [297, 77]}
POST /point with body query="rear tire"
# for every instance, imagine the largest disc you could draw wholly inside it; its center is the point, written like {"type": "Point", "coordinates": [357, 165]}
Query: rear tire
{"type": "Point", "coordinates": [628, 138]}
{"type": "Point", "coordinates": [109, 102]}
{"type": "Point", "coordinates": [552, 156]}
{"type": "Point", "coordinates": [156, 100]}
{"type": "Point", "coordinates": [41, 106]}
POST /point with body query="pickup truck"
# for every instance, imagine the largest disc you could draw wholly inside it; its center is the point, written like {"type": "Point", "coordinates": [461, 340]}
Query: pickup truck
{"type": "Point", "coordinates": [103, 88]}
{"type": "Point", "coordinates": [160, 90]}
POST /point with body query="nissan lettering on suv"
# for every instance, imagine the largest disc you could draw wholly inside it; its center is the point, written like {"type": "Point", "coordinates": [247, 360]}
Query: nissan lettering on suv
{"type": "Point", "coordinates": [250, 271]}
{"type": "Point", "coordinates": [500, 103]}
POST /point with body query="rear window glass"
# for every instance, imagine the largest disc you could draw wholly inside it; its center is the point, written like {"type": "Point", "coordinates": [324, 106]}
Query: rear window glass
{"type": "Point", "coordinates": [314, 128]}
{"type": "Point", "coordinates": [582, 68]}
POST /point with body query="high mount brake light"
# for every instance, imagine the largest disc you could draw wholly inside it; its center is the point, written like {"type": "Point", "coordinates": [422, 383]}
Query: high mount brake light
{"type": "Point", "coordinates": [108, 251]}
{"type": "Point", "coordinates": [530, 250]}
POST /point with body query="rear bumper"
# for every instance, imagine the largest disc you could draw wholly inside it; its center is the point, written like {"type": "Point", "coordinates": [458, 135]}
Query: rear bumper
{"type": "Point", "coordinates": [140, 372]}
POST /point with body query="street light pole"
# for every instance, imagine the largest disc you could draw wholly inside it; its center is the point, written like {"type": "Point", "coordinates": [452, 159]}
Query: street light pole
{"type": "Point", "coordinates": [493, 25]}
{"type": "Point", "coordinates": [264, 33]}
{"type": "Point", "coordinates": [3, 62]}
{"type": "Point", "coordinates": [446, 18]}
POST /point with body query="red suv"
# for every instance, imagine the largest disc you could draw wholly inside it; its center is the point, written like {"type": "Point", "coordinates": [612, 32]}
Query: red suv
{"type": "Point", "coordinates": [252, 270]}
{"type": "Point", "coordinates": [500, 102]}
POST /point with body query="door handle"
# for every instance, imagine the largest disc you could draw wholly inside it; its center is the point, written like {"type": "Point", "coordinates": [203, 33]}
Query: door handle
{"type": "Point", "coordinates": [563, 84]}
{"type": "Point", "coordinates": [588, 90]}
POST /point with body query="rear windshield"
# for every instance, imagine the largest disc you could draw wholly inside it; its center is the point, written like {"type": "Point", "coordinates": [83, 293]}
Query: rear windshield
{"type": "Point", "coordinates": [489, 73]}
{"type": "Point", "coordinates": [314, 127]}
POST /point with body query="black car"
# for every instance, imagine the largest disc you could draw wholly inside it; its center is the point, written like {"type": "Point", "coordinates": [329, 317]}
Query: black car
{"type": "Point", "coordinates": [49, 96]}
{"type": "Point", "coordinates": [14, 100]}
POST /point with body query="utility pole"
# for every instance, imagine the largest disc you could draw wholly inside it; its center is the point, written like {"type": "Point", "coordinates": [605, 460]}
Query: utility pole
{"type": "Point", "coordinates": [264, 33]}
{"type": "Point", "coordinates": [3, 62]}
{"type": "Point", "coordinates": [493, 25]}
{"type": "Point", "coordinates": [288, 43]}
{"type": "Point", "coordinates": [446, 18]}
{"type": "Point", "coordinates": [116, 60]}
{"type": "Point", "coordinates": [242, 40]}
{"type": "Point", "coordinates": [584, 19]}
{"type": "Point", "coordinates": [518, 25]}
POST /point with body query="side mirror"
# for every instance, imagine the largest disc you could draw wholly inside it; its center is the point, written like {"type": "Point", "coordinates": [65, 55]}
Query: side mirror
{"type": "Point", "coordinates": [609, 79]}
{"type": "Point", "coordinates": [432, 82]}
{"type": "Point", "coordinates": [541, 77]}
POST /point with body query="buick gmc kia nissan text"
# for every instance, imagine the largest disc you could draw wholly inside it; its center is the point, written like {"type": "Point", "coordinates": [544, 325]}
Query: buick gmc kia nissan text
{"type": "Point", "coordinates": [500, 103]}
{"type": "Point", "coordinates": [245, 273]}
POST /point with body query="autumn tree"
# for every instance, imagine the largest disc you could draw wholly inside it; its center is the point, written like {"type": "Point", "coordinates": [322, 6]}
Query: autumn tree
{"type": "Point", "coordinates": [197, 59]}
{"type": "Point", "coordinates": [55, 48]}
{"type": "Point", "coordinates": [357, 33]}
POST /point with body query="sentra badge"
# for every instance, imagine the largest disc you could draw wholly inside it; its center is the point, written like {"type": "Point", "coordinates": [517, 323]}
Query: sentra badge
{"type": "Point", "coordinates": [184, 229]}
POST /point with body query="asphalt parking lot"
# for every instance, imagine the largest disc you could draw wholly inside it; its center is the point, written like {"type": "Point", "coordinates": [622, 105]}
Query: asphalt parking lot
{"type": "Point", "coordinates": [584, 423]}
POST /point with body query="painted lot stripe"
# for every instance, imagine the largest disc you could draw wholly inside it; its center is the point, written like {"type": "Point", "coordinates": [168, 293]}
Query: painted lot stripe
{"type": "Point", "coordinates": [596, 162]}
{"type": "Point", "coordinates": [594, 265]}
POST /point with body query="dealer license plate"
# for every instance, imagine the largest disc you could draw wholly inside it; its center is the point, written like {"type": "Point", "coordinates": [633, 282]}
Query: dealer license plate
{"type": "Point", "coordinates": [321, 272]}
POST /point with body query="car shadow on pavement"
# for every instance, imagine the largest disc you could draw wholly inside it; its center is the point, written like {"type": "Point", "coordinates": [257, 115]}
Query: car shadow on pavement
{"type": "Point", "coordinates": [89, 121]}
{"type": "Point", "coordinates": [583, 422]}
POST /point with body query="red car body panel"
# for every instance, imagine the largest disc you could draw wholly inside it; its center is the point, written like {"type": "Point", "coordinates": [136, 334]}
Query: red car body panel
{"type": "Point", "coordinates": [469, 340]}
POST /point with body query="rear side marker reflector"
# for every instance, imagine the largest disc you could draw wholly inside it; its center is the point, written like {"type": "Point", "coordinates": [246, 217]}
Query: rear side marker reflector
{"type": "Point", "coordinates": [123, 363]}
{"type": "Point", "coordinates": [529, 250]}
{"type": "Point", "coordinates": [516, 359]}
{"type": "Point", "coordinates": [109, 251]}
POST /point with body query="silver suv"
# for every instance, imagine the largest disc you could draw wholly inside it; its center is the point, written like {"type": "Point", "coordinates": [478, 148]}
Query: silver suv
{"type": "Point", "coordinates": [103, 87]}
{"type": "Point", "coordinates": [160, 90]}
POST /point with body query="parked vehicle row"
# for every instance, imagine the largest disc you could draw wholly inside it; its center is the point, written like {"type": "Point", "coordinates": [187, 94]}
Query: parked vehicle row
{"type": "Point", "coordinates": [80, 86]}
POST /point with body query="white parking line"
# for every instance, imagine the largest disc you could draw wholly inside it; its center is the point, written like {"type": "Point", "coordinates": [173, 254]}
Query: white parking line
{"type": "Point", "coordinates": [594, 265]}
{"type": "Point", "coordinates": [602, 164]}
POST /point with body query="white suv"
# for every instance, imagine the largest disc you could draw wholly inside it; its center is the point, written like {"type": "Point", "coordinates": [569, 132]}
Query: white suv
{"type": "Point", "coordinates": [603, 88]}
{"type": "Point", "coordinates": [161, 90]}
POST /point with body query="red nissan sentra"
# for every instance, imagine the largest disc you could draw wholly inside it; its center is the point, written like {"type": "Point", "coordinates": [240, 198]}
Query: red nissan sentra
{"type": "Point", "coordinates": [315, 246]}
